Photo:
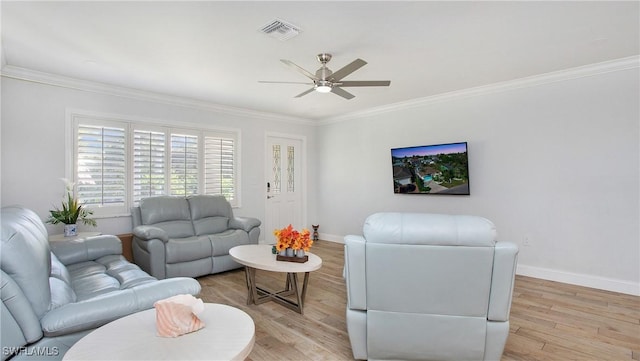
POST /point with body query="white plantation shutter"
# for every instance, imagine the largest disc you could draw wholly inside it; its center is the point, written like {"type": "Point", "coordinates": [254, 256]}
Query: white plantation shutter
{"type": "Point", "coordinates": [101, 165]}
{"type": "Point", "coordinates": [149, 164]}
{"type": "Point", "coordinates": [117, 162]}
{"type": "Point", "coordinates": [184, 165]}
{"type": "Point", "coordinates": [219, 172]}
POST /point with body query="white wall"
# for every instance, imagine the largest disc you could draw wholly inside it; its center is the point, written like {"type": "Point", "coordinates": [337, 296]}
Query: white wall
{"type": "Point", "coordinates": [556, 162]}
{"type": "Point", "coordinates": [33, 139]}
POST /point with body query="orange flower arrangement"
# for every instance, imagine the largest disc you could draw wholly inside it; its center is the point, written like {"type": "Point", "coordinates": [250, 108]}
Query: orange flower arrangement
{"type": "Point", "coordinates": [290, 238]}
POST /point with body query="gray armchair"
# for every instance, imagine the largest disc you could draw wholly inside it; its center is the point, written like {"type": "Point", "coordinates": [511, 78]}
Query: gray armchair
{"type": "Point", "coordinates": [428, 287]}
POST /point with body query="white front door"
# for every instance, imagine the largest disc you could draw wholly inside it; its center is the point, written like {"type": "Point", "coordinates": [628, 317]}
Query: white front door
{"type": "Point", "coordinates": [284, 181]}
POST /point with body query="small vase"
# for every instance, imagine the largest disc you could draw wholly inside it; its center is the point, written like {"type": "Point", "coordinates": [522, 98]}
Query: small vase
{"type": "Point", "coordinates": [283, 252]}
{"type": "Point", "coordinates": [300, 253]}
{"type": "Point", "coordinates": [70, 230]}
{"type": "Point", "coordinates": [289, 252]}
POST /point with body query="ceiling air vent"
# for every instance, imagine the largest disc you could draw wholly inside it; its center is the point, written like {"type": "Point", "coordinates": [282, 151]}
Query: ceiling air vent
{"type": "Point", "coordinates": [280, 29]}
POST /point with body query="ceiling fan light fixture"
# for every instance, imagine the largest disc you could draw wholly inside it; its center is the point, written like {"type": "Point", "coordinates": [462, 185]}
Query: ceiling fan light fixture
{"type": "Point", "coordinates": [323, 86]}
{"type": "Point", "coordinates": [323, 89]}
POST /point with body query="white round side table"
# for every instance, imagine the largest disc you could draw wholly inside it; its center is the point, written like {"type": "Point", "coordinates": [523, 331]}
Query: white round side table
{"type": "Point", "coordinates": [229, 334]}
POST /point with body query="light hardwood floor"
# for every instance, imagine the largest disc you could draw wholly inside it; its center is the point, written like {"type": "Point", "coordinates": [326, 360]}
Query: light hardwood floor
{"type": "Point", "coordinates": [549, 320]}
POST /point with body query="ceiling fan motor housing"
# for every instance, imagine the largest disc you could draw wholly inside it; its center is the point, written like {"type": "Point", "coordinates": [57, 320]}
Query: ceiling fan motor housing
{"type": "Point", "coordinates": [323, 57]}
{"type": "Point", "coordinates": [323, 73]}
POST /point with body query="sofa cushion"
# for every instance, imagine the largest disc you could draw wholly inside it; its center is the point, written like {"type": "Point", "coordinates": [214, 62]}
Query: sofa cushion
{"type": "Point", "coordinates": [61, 293]}
{"type": "Point", "coordinates": [196, 268]}
{"type": "Point", "coordinates": [105, 274]}
{"type": "Point", "coordinates": [168, 213]}
{"type": "Point", "coordinates": [223, 242]}
{"type": "Point", "coordinates": [127, 274]}
{"type": "Point", "coordinates": [83, 269]}
{"type": "Point", "coordinates": [60, 284]}
{"type": "Point", "coordinates": [58, 270]}
{"type": "Point", "coordinates": [210, 213]}
{"type": "Point", "coordinates": [210, 225]}
{"type": "Point", "coordinates": [187, 249]}
{"type": "Point", "coordinates": [93, 282]}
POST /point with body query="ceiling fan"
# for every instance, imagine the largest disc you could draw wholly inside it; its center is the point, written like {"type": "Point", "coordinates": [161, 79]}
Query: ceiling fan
{"type": "Point", "coordinates": [327, 81]}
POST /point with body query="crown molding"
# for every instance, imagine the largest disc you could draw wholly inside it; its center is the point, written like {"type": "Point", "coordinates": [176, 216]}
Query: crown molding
{"type": "Point", "coordinates": [34, 76]}
{"type": "Point", "coordinates": [531, 81]}
{"type": "Point", "coordinates": [19, 73]}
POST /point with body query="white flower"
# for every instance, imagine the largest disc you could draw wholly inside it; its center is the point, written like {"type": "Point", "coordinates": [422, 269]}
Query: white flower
{"type": "Point", "coordinates": [68, 185]}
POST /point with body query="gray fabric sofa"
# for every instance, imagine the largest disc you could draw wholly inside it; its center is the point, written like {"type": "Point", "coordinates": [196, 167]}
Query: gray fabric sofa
{"type": "Point", "coordinates": [188, 236]}
{"type": "Point", "coordinates": [53, 295]}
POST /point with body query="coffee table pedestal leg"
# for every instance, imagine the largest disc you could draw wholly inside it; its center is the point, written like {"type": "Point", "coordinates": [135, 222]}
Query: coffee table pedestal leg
{"type": "Point", "coordinates": [258, 295]}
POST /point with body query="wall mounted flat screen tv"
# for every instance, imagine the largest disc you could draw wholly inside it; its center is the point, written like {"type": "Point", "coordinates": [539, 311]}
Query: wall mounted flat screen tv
{"type": "Point", "coordinates": [431, 169]}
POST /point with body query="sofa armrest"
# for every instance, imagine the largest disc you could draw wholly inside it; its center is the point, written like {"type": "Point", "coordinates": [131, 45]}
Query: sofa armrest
{"type": "Point", "coordinates": [146, 233]}
{"type": "Point", "coordinates": [88, 249]}
{"type": "Point", "coordinates": [504, 270]}
{"type": "Point", "coordinates": [244, 223]}
{"type": "Point", "coordinates": [20, 324]}
{"type": "Point", "coordinates": [355, 272]}
{"type": "Point", "coordinates": [95, 312]}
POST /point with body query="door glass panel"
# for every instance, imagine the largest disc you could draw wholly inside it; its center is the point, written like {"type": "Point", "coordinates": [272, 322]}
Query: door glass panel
{"type": "Point", "coordinates": [276, 187]}
{"type": "Point", "coordinates": [290, 169]}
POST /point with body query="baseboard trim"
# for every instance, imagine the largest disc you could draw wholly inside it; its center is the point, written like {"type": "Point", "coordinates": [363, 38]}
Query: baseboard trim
{"type": "Point", "coordinates": [602, 283]}
{"type": "Point", "coordinates": [331, 238]}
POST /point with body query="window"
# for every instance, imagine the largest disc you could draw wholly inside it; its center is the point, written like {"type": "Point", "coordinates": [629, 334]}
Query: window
{"type": "Point", "coordinates": [184, 164]}
{"type": "Point", "coordinates": [219, 166]}
{"type": "Point", "coordinates": [149, 164]}
{"type": "Point", "coordinates": [101, 165]}
{"type": "Point", "coordinates": [117, 163]}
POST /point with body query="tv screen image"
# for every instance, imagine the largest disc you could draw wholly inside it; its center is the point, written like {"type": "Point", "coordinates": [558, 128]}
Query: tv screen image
{"type": "Point", "coordinates": [431, 169]}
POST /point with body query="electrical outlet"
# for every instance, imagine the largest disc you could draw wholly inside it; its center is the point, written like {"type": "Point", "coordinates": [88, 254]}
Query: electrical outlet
{"type": "Point", "coordinates": [527, 241]}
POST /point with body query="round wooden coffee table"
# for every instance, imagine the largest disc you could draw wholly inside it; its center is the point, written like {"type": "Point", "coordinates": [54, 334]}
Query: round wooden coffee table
{"type": "Point", "coordinates": [229, 334]}
{"type": "Point", "coordinates": [259, 256]}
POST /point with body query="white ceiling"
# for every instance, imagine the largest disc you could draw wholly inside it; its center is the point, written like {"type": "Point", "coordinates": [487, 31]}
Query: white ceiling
{"type": "Point", "coordinates": [212, 51]}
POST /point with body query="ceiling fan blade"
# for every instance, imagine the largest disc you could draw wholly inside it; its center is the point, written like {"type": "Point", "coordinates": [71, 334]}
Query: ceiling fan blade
{"type": "Point", "coordinates": [301, 70]}
{"type": "Point", "coordinates": [365, 83]}
{"type": "Point", "coordinates": [305, 93]}
{"type": "Point", "coordinates": [341, 92]}
{"type": "Point", "coordinates": [283, 82]}
{"type": "Point", "coordinates": [348, 69]}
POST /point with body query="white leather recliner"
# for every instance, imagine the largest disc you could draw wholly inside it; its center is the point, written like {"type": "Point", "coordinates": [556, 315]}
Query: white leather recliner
{"type": "Point", "coordinates": [428, 287]}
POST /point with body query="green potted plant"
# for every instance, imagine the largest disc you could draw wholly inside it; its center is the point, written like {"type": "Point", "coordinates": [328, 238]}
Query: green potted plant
{"type": "Point", "coordinates": [70, 213]}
